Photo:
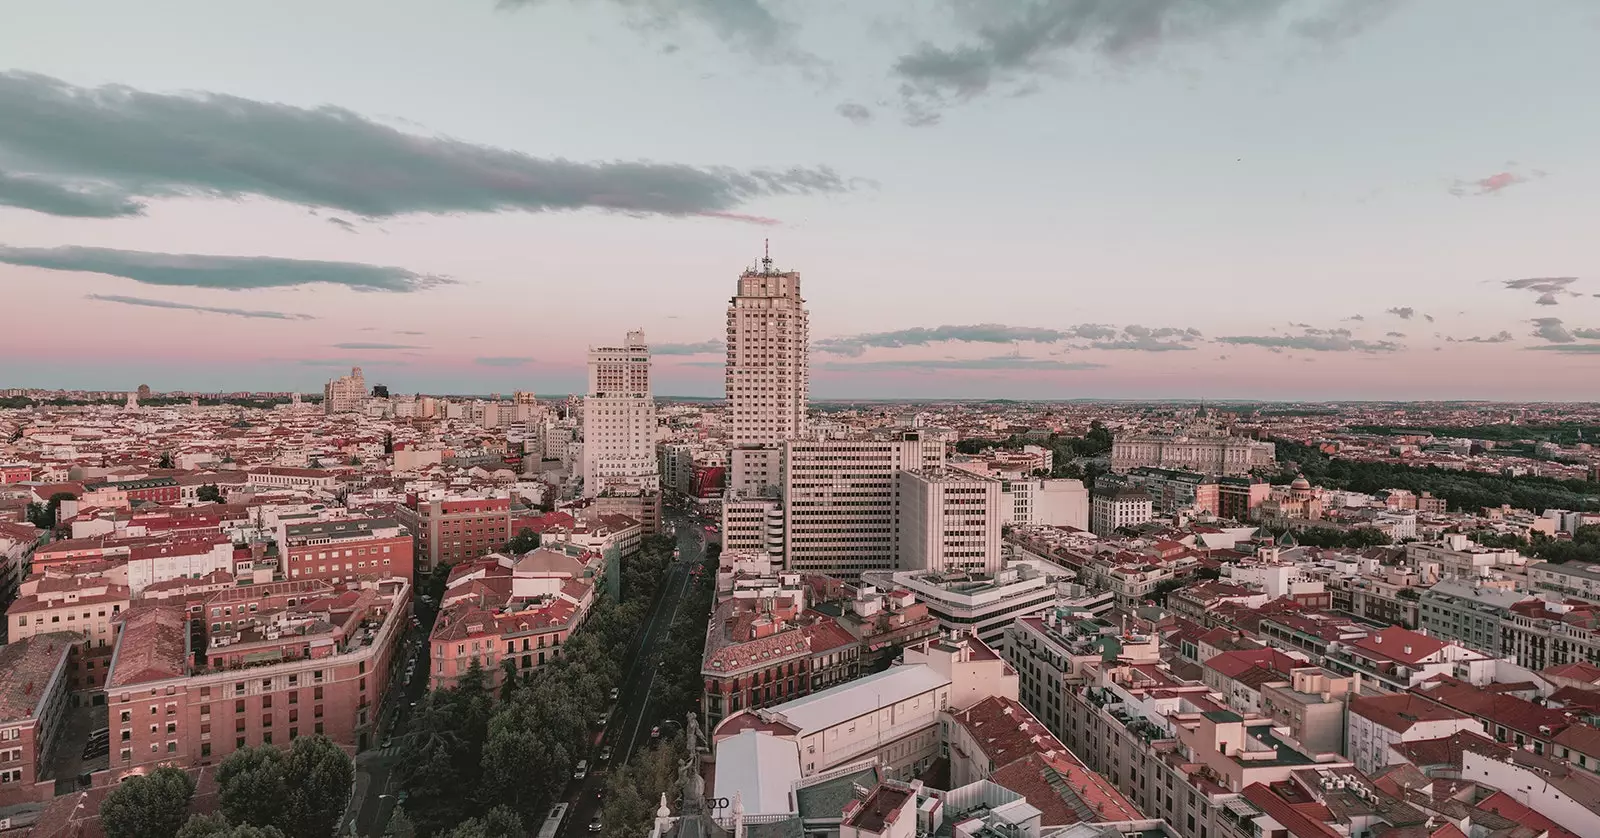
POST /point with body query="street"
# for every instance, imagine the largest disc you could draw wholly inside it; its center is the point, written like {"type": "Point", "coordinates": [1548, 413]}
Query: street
{"type": "Point", "coordinates": [632, 718]}
{"type": "Point", "coordinates": [627, 729]}
{"type": "Point", "coordinates": [377, 799]}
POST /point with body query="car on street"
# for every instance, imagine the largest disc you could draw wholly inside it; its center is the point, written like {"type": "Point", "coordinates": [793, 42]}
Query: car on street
{"type": "Point", "coordinates": [594, 825]}
{"type": "Point", "coordinates": [581, 771]}
{"type": "Point", "coordinates": [387, 741]}
{"type": "Point", "coordinates": [655, 732]}
{"type": "Point", "coordinates": [605, 754]}
{"type": "Point", "coordinates": [614, 693]}
{"type": "Point", "coordinates": [600, 721]}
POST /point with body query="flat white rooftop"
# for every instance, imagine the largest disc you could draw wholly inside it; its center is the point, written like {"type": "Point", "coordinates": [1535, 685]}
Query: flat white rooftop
{"type": "Point", "coordinates": [837, 705]}
{"type": "Point", "coordinates": [761, 769]}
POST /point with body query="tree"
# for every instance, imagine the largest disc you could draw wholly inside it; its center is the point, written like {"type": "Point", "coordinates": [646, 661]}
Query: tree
{"type": "Point", "coordinates": [217, 826]}
{"type": "Point", "coordinates": [45, 516]}
{"type": "Point", "coordinates": [166, 460]}
{"type": "Point", "coordinates": [354, 460]}
{"type": "Point", "coordinates": [319, 775]}
{"type": "Point", "coordinates": [388, 443]}
{"type": "Point", "coordinates": [209, 494]}
{"type": "Point", "coordinates": [252, 787]}
{"type": "Point", "coordinates": [153, 805]}
{"type": "Point", "coordinates": [525, 540]}
{"type": "Point", "coordinates": [499, 822]}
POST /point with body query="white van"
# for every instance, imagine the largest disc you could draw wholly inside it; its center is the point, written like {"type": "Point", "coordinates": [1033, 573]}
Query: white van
{"type": "Point", "coordinates": [582, 770]}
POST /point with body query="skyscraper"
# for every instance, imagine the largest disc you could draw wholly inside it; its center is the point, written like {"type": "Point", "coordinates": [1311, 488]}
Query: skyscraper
{"type": "Point", "coordinates": [766, 376]}
{"type": "Point", "coordinates": [619, 420]}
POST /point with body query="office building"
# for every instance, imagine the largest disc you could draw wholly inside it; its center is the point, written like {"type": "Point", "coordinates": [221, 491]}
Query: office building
{"type": "Point", "coordinates": [1118, 507]}
{"type": "Point", "coordinates": [949, 520]}
{"type": "Point", "coordinates": [619, 421]}
{"type": "Point", "coordinates": [842, 503]}
{"type": "Point", "coordinates": [274, 662]}
{"type": "Point", "coordinates": [345, 394]}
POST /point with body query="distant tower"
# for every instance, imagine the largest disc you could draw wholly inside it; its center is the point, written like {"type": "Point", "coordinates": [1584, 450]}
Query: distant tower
{"type": "Point", "coordinates": [144, 391]}
{"type": "Point", "coordinates": [619, 419]}
{"type": "Point", "coordinates": [133, 400]}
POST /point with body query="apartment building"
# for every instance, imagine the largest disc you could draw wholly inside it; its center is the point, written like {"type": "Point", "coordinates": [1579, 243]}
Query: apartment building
{"type": "Point", "coordinates": [343, 550]}
{"type": "Point", "coordinates": [451, 529]}
{"type": "Point", "coordinates": [1380, 721]}
{"type": "Point", "coordinates": [1576, 578]}
{"type": "Point", "coordinates": [1049, 649]}
{"type": "Point", "coordinates": [1469, 614]}
{"type": "Point", "coordinates": [619, 421]}
{"type": "Point", "coordinates": [1175, 490]}
{"type": "Point", "coordinates": [1113, 508]}
{"type": "Point", "coordinates": [193, 557]}
{"type": "Point", "coordinates": [503, 611]}
{"type": "Point", "coordinates": [34, 703]}
{"type": "Point", "coordinates": [87, 603]}
{"type": "Point", "coordinates": [752, 524]}
{"type": "Point", "coordinates": [1397, 659]}
{"type": "Point", "coordinates": [949, 520]}
{"type": "Point", "coordinates": [279, 660]}
{"type": "Point", "coordinates": [162, 491]}
{"type": "Point", "coordinates": [767, 650]}
{"type": "Point", "coordinates": [842, 503]}
{"type": "Point", "coordinates": [1542, 632]}
{"type": "Point", "coordinates": [1458, 557]}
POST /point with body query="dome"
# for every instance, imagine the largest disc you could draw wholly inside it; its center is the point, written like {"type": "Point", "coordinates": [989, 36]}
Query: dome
{"type": "Point", "coordinates": [1301, 484]}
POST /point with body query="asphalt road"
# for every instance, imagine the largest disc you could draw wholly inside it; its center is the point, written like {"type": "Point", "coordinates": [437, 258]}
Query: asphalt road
{"type": "Point", "coordinates": [378, 801]}
{"type": "Point", "coordinates": [628, 728]}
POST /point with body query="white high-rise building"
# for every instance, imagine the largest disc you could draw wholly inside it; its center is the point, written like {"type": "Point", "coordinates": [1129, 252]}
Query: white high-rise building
{"type": "Point", "coordinates": [842, 501]}
{"type": "Point", "coordinates": [766, 376]}
{"type": "Point", "coordinates": [949, 520]}
{"type": "Point", "coordinates": [619, 420]}
{"type": "Point", "coordinates": [345, 394]}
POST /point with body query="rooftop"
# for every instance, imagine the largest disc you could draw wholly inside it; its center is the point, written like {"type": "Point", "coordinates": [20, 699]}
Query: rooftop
{"type": "Point", "coordinates": [836, 705]}
{"type": "Point", "coordinates": [25, 670]}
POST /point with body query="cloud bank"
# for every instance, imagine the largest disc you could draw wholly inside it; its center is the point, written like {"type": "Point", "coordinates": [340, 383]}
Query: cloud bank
{"type": "Point", "coordinates": [102, 152]}
{"type": "Point", "coordinates": [1094, 335]}
{"type": "Point", "coordinates": [231, 273]}
{"type": "Point", "coordinates": [704, 347]}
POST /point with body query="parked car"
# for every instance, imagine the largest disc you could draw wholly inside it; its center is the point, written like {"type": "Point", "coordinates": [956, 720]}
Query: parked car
{"type": "Point", "coordinates": [605, 754]}
{"type": "Point", "coordinates": [582, 770]}
{"type": "Point", "coordinates": [614, 693]}
{"type": "Point", "coordinates": [594, 825]}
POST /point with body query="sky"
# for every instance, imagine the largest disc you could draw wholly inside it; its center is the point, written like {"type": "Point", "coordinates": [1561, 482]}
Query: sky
{"type": "Point", "coordinates": [1049, 199]}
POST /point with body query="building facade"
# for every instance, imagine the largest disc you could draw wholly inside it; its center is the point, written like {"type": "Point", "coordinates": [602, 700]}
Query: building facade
{"type": "Point", "coordinates": [450, 530]}
{"type": "Point", "coordinates": [767, 375]}
{"type": "Point", "coordinates": [345, 550]}
{"type": "Point", "coordinates": [345, 394]}
{"type": "Point", "coordinates": [1204, 450]}
{"type": "Point", "coordinates": [949, 520]}
{"type": "Point", "coordinates": [619, 420]}
{"type": "Point", "coordinates": [841, 501]}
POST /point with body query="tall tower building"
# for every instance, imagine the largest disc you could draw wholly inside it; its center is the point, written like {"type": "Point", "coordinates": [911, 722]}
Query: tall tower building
{"type": "Point", "coordinates": [766, 377]}
{"type": "Point", "coordinates": [345, 394]}
{"type": "Point", "coordinates": [619, 420]}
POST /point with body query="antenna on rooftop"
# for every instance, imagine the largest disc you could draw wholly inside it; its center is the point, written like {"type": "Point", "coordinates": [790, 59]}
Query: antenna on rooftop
{"type": "Point", "coordinates": [766, 256]}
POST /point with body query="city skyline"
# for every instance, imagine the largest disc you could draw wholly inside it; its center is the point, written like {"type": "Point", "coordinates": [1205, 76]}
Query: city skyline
{"type": "Point", "coordinates": [1306, 200]}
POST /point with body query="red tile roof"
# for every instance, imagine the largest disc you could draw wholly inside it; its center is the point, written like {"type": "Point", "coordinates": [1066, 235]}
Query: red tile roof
{"type": "Point", "coordinates": [1299, 824]}
{"type": "Point", "coordinates": [1400, 644]}
{"type": "Point", "coordinates": [1400, 711]}
{"type": "Point", "coordinates": [154, 644]}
